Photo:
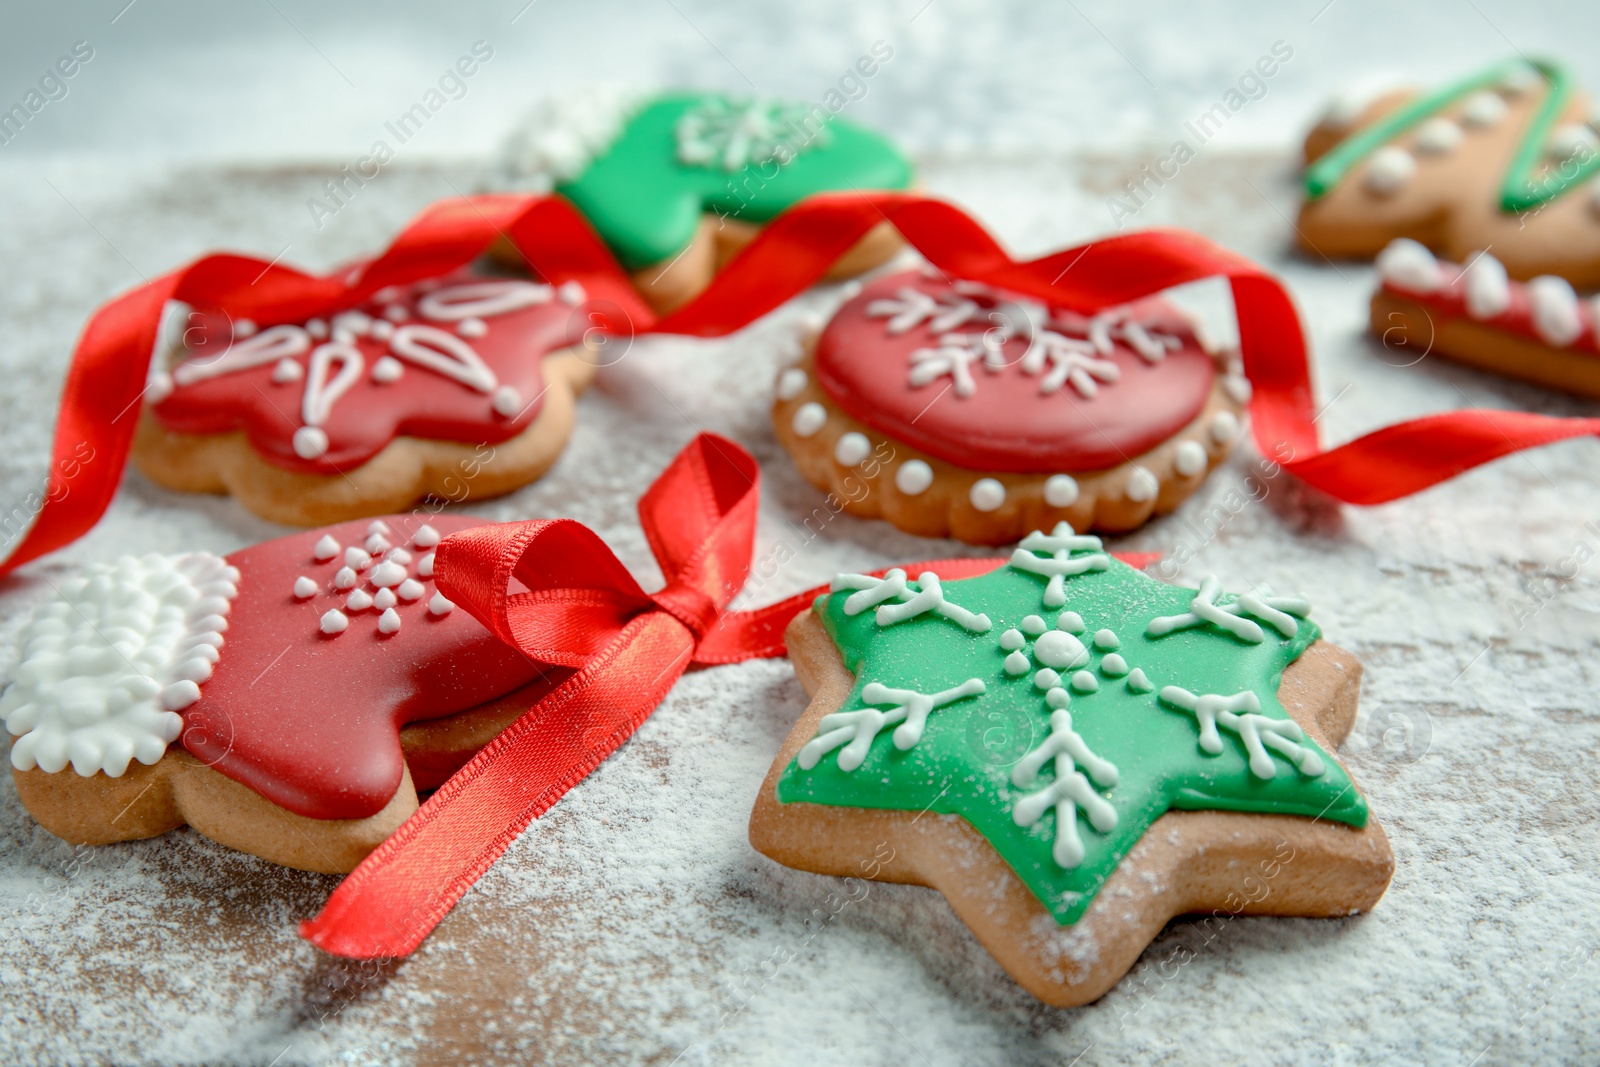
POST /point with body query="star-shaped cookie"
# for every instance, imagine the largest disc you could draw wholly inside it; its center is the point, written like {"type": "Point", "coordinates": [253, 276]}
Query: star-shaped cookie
{"type": "Point", "coordinates": [1073, 754]}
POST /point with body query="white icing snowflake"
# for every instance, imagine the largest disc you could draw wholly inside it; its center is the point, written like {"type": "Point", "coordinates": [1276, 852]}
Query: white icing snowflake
{"type": "Point", "coordinates": [1070, 791]}
{"type": "Point", "coordinates": [1257, 732]}
{"type": "Point", "coordinates": [910, 307]}
{"type": "Point", "coordinates": [730, 134]}
{"type": "Point", "coordinates": [909, 600]}
{"type": "Point", "coordinates": [1279, 612]}
{"type": "Point", "coordinates": [1060, 563]}
{"type": "Point", "coordinates": [856, 730]}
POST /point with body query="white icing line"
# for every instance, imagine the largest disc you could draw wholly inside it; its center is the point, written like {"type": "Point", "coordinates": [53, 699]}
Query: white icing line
{"type": "Point", "coordinates": [854, 731]}
{"type": "Point", "coordinates": [908, 602]}
{"type": "Point", "coordinates": [1280, 612]}
{"type": "Point", "coordinates": [1060, 565]}
{"type": "Point", "coordinates": [1066, 750]}
{"type": "Point", "coordinates": [270, 346]}
{"type": "Point", "coordinates": [1257, 732]}
{"type": "Point", "coordinates": [481, 300]}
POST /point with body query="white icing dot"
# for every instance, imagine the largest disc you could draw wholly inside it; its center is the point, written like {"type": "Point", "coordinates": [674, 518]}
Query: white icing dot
{"type": "Point", "coordinates": [1142, 485]}
{"type": "Point", "coordinates": [472, 328]}
{"type": "Point", "coordinates": [344, 335]}
{"type": "Point", "coordinates": [1519, 80]}
{"type": "Point", "coordinates": [398, 555]}
{"type": "Point", "coordinates": [1113, 666]}
{"type": "Point", "coordinates": [987, 494]}
{"type": "Point", "coordinates": [382, 329]}
{"type": "Point", "coordinates": [1488, 288]}
{"type": "Point", "coordinates": [1106, 640]}
{"type": "Point", "coordinates": [387, 574]}
{"type": "Point", "coordinates": [1224, 427]}
{"type": "Point", "coordinates": [506, 401]}
{"type": "Point", "coordinates": [310, 442]}
{"type": "Point", "coordinates": [1017, 664]}
{"type": "Point", "coordinates": [425, 537]}
{"type": "Point", "coordinates": [396, 313]}
{"type": "Point", "coordinates": [1058, 697]}
{"type": "Point", "coordinates": [245, 328]}
{"type": "Point", "coordinates": [1390, 168]}
{"type": "Point", "coordinates": [1046, 678]}
{"type": "Point", "coordinates": [179, 695]}
{"type": "Point", "coordinates": [358, 600]}
{"type": "Point", "coordinates": [387, 369]}
{"type": "Point", "coordinates": [377, 544]}
{"type": "Point", "coordinates": [1012, 640]}
{"type": "Point", "coordinates": [334, 622]}
{"type": "Point", "coordinates": [1032, 624]}
{"type": "Point", "coordinates": [1571, 140]}
{"type": "Point", "coordinates": [388, 294]}
{"type": "Point", "coordinates": [439, 605]}
{"type": "Point", "coordinates": [344, 578]}
{"type": "Point", "coordinates": [851, 448]}
{"type": "Point", "coordinates": [357, 557]}
{"type": "Point", "coordinates": [317, 328]}
{"type": "Point", "coordinates": [1555, 310]}
{"type": "Point", "coordinates": [304, 587]}
{"type": "Point", "coordinates": [385, 599]}
{"type": "Point", "coordinates": [791, 383]}
{"type": "Point", "coordinates": [1057, 648]}
{"type": "Point", "coordinates": [571, 293]}
{"type": "Point", "coordinates": [1190, 458]}
{"type": "Point", "coordinates": [1238, 387]}
{"type": "Point", "coordinates": [1085, 682]}
{"type": "Point", "coordinates": [410, 589]}
{"type": "Point", "coordinates": [326, 548]}
{"type": "Point", "coordinates": [425, 566]}
{"type": "Point", "coordinates": [197, 669]}
{"type": "Point", "coordinates": [1061, 490]}
{"type": "Point", "coordinates": [1483, 109]}
{"type": "Point", "coordinates": [1407, 264]}
{"type": "Point", "coordinates": [389, 622]}
{"type": "Point", "coordinates": [1438, 135]}
{"type": "Point", "coordinates": [913, 477]}
{"type": "Point", "coordinates": [1139, 683]}
{"type": "Point", "coordinates": [809, 418]}
{"type": "Point", "coordinates": [1071, 622]}
{"type": "Point", "coordinates": [287, 370]}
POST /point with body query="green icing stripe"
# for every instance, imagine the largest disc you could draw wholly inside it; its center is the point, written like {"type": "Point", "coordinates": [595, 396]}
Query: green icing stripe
{"type": "Point", "coordinates": [1519, 192]}
{"type": "Point", "coordinates": [963, 763]}
{"type": "Point", "coordinates": [647, 204]}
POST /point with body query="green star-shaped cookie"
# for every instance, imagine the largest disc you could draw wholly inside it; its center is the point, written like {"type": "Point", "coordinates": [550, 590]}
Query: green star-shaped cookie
{"type": "Point", "coordinates": [1060, 705]}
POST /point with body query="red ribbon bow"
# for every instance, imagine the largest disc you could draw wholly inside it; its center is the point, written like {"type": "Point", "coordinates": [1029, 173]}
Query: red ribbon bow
{"type": "Point", "coordinates": [580, 608]}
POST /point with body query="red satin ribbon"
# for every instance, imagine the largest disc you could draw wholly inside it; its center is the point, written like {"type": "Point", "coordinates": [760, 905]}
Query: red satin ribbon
{"type": "Point", "coordinates": [99, 402]}
{"type": "Point", "coordinates": [580, 608]}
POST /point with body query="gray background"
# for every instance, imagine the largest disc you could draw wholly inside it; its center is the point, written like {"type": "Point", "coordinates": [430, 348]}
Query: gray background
{"type": "Point", "coordinates": [614, 928]}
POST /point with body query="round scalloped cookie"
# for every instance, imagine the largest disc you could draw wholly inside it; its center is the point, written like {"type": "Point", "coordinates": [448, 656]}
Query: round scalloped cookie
{"type": "Point", "coordinates": [971, 413]}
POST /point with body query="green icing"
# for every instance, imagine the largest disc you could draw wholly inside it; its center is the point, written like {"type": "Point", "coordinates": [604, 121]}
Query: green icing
{"type": "Point", "coordinates": [646, 203]}
{"type": "Point", "coordinates": [964, 761]}
{"type": "Point", "coordinates": [1527, 184]}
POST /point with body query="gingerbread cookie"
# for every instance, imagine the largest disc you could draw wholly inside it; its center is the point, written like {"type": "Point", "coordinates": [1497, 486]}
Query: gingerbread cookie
{"type": "Point", "coordinates": [978, 414]}
{"type": "Point", "coordinates": [287, 700]}
{"type": "Point", "coordinates": [1539, 331]}
{"type": "Point", "coordinates": [678, 184]}
{"type": "Point", "coordinates": [1499, 160]}
{"type": "Point", "coordinates": [1073, 754]}
{"type": "Point", "coordinates": [457, 387]}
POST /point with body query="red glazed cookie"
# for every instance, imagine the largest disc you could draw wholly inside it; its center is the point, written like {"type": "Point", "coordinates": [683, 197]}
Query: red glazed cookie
{"type": "Point", "coordinates": [455, 387]}
{"type": "Point", "coordinates": [263, 698]}
{"type": "Point", "coordinates": [1539, 331]}
{"type": "Point", "coordinates": [979, 414]}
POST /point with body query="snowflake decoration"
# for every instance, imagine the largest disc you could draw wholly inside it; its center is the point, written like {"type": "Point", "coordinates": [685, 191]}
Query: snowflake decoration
{"type": "Point", "coordinates": [855, 730]}
{"type": "Point", "coordinates": [1058, 353]}
{"type": "Point", "coordinates": [1257, 732]}
{"type": "Point", "coordinates": [1060, 564]}
{"type": "Point", "coordinates": [731, 134]}
{"type": "Point", "coordinates": [1279, 612]}
{"type": "Point", "coordinates": [908, 601]}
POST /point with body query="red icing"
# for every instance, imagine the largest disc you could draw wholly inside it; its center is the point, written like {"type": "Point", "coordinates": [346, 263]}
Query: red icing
{"type": "Point", "coordinates": [360, 422]}
{"type": "Point", "coordinates": [1006, 424]}
{"type": "Point", "coordinates": [1449, 301]}
{"type": "Point", "coordinates": [312, 721]}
